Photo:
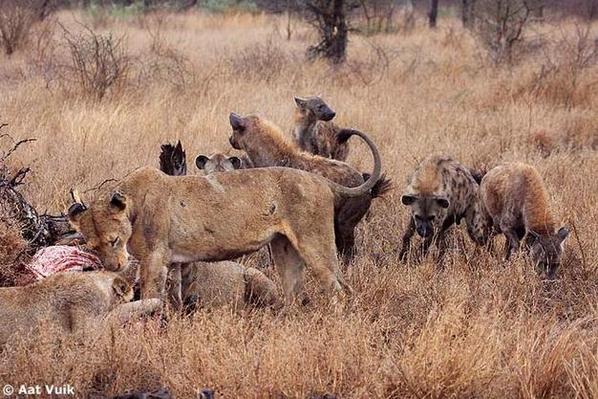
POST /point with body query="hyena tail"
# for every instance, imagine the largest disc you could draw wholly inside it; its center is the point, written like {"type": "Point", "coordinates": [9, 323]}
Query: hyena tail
{"type": "Point", "coordinates": [342, 136]}
{"type": "Point", "coordinates": [173, 160]}
{"type": "Point", "coordinates": [382, 186]}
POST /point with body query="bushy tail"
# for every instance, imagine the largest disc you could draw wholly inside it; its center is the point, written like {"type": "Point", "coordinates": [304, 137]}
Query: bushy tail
{"type": "Point", "coordinates": [382, 186]}
{"type": "Point", "coordinates": [173, 160]}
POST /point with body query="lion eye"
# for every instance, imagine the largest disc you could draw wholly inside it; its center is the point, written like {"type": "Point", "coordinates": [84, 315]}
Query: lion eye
{"type": "Point", "coordinates": [114, 242]}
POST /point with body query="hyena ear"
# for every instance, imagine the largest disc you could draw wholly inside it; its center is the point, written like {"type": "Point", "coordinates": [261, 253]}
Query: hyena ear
{"type": "Point", "coordinates": [121, 287]}
{"type": "Point", "coordinates": [301, 102]}
{"type": "Point", "coordinates": [201, 161]}
{"type": "Point", "coordinates": [235, 161]}
{"type": "Point", "coordinates": [237, 121]}
{"type": "Point", "coordinates": [443, 202]}
{"type": "Point", "coordinates": [563, 233]}
{"type": "Point", "coordinates": [118, 202]}
{"type": "Point", "coordinates": [75, 212]}
{"type": "Point", "coordinates": [533, 234]}
{"type": "Point", "coordinates": [408, 199]}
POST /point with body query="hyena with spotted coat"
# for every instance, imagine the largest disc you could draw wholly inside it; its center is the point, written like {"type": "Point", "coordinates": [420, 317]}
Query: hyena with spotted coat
{"type": "Point", "coordinates": [515, 199]}
{"type": "Point", "coordinates": [442, 192]}
{"type": "Point", "coordinates": [314, 131]}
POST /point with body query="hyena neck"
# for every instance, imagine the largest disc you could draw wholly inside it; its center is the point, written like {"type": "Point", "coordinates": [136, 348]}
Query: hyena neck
{"type": "Point", "coordinates": [304, 132]}
{"type": "Point", "coordinates": [271, 153]}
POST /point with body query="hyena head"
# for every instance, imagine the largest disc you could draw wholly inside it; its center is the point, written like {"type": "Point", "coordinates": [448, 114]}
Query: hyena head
{"type": "Point", "coordinates": [314, 108]}
{"type": "Point", "coordinates": [428, 212]}
{"type": "Point", "coordinates": [217, 162]}
{"type": "Point", "coordinates": [546, 250]}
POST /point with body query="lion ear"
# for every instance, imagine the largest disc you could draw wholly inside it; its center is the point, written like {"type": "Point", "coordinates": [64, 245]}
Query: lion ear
{"type": "Point", "coordinates": [235, 161]}
{"type": "Point", "coordinates": [75, 212]}
{"type": "Point", "coordinates": [121, 287]}
{"type": "Point", "coordinates": [118, 202]}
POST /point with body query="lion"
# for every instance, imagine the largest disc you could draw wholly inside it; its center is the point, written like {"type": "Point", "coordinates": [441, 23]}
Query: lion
{"type": "Point", "coordinates": [218, 283]}
{"type": "Point", "coordinates": [266, 146]}
{"type": "Point", "coordinates": [70, 302]}
{"type": "Point", "coordinates": [162, 219]}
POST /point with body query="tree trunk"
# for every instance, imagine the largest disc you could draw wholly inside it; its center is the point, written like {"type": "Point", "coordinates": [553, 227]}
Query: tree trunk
{"type": "Point", "coordinates": [333, 31]}
{"type": "Point", "coordinates": [433, 13]}
{"type": "Point", "coordinates": [467, 12]}
{"type": "Point", "coordinates": [289, 15]}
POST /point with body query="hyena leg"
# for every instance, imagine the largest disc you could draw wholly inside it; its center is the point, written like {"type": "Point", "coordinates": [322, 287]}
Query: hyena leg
{"type": "Point", "coordinates": [174, 284]}
{"type": "Point", "coordinates": [153, 274]}
{"type": "Point", "coordinates": [512, 244]}
{"type": "Point", "coordinates": [407, 239]}
{"type": "Point", "coordinates": [346, 220]}
{"type": "Point", "coordinates": [345, 242]}
{"type": "Point", "coordinates": [289, 265]}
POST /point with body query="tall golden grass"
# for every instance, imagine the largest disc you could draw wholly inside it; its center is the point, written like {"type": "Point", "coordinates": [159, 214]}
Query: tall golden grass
{"type": "Point", "coordinates": [481, 327]}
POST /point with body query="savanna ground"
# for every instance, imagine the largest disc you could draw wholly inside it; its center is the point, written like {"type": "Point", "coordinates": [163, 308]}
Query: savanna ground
{"type": "Point", "coordinates": [481, 327]}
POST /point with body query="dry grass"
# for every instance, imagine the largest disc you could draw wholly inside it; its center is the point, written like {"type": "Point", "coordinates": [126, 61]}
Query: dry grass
{"type": "Point", "coordinates": [480, 328]}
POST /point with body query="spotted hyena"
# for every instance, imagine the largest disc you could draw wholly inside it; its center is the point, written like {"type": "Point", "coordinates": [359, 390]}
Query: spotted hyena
{"type": "Point", "coordinates": [515, 199]}
{"type": "Point", "coordinates": [440, 193]}
{"type": "Point", "coordinates": [314, 130]}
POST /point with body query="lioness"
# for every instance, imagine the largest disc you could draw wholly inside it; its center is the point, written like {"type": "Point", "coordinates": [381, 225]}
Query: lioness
{"type": "Point", "coordinates": [266, 146]}
{"type": "Point", "coordinates": [209, 284]}
{"type": "Point", "coordinates": [165, 219]}
{"type": "Point", "coordinates": [70, 302]}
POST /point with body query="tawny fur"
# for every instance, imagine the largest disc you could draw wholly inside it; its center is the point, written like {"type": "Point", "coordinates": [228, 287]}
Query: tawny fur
{"type": "Point", "coordinates": [314, 132]}
{"type": "Point", "coordinates": [70, 302]}
{"type": "Point", "coordinates": [227, 284]}
{"type": "Point", "coordinates": [218, 283]}
{"type": "Point", "coordinates": [515, 199]}
{"type": "Point", "coordinates": [266, 146]}
{"type": "Point", "coordinates": [440, 193]}
{"type": "Point", "coordinates": [163, 219]}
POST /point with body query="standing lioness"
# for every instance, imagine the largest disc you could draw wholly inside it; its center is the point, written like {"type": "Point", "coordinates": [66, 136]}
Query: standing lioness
{"type": "Point", "coordinates": [165, 219]}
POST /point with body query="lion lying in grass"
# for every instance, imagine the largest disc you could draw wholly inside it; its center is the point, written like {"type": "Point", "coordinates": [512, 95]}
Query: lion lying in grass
{"type": "Point", "coordinates": [70, 302]}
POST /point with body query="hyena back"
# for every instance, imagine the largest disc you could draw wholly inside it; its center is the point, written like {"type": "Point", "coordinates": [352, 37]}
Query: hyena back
{"type": "Point", "coordinates": [515, 199]}
{"type": "Point", "coordinates": [314, 130]}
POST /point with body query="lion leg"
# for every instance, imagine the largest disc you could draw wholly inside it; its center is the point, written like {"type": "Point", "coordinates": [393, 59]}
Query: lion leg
{"type": "Point", "coordinates": [319, 255]}
{"type": "Point", "coordinates": [126, 312]}
{"type": "Point", "coordinates": [289, 265]}
{"type": "Point", "coordinates": [153, 274]}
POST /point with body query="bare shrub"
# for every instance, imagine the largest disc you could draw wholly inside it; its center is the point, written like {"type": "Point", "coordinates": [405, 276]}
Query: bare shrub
{"type": "Point", "coordinates": [98, 63]}
{"type": "Point", "coordinates": [561, 76]}
{"type": "Point", "coordinates": [500, 25]}
{"type": "Point", "coordinates": [164, 62]}
{"type": "Point", "coordinates": [374, 67]}
{"type": "Point", "coordinates": [379, 16]}
{"type": "Point", "coordinates": [262, 61]}
{"type": "Point", "coordinates": [16, 19]}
